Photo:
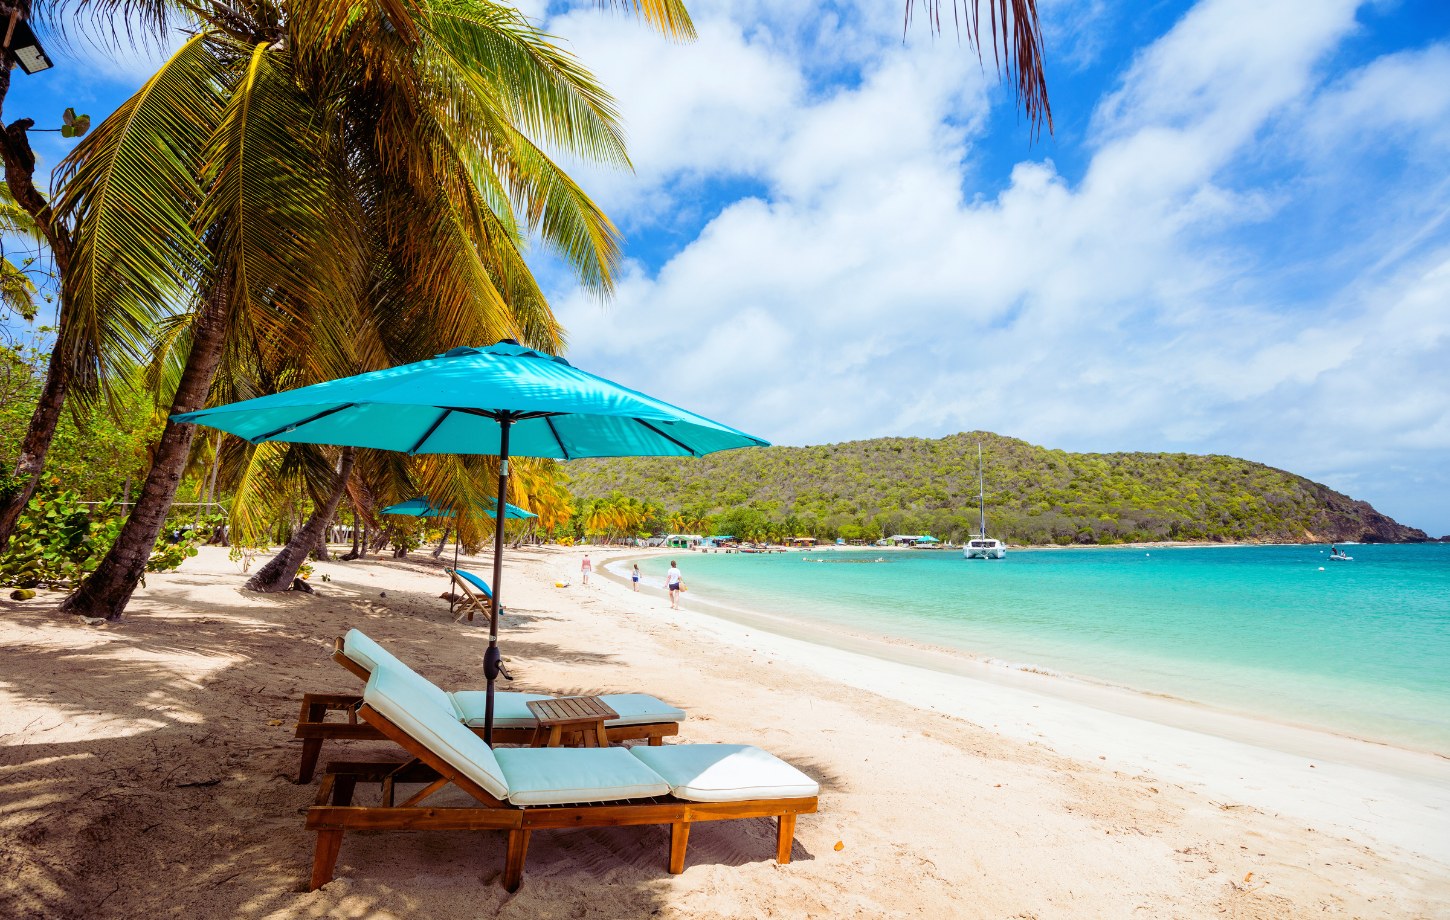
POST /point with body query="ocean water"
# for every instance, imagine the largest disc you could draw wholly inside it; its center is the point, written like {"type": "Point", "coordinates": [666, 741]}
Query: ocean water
{"type": "Point", "coordinates": [1359, 648]}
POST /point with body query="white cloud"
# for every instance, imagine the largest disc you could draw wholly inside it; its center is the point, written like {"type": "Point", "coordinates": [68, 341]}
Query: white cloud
{"type": "Point", "coordinates": [862, 291]}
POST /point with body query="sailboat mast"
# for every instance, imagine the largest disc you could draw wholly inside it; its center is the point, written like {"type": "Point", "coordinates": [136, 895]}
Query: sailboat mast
{"type": "Point", "coordinates": [981, 493]}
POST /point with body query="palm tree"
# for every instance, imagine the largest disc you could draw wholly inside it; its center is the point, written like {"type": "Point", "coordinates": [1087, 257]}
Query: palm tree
{"type": "Point", "coordinates": [311, 159]}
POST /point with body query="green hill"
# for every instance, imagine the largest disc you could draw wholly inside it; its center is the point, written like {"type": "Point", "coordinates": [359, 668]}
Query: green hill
{"type": "Point", "coordinates": [864, 489]}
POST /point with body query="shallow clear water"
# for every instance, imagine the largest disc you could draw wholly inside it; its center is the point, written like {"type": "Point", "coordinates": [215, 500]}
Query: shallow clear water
{"type": "Point", "coordinates": [1360, 648]}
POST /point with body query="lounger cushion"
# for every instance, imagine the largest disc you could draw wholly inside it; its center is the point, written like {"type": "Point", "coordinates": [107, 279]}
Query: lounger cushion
{"type": "Point", "coordinates": [640, 709]}
{"type": "Point", "coordinates": [434, 726]}
{"type": "Point", "coordinates": [366, 652]}
{"type": "Point", "coordinates": [557, 776]}
{"type": "Point", "coordinates": [725, 772]}
{"type": "Point", "coordinates": [509, 708]}
{"type": "Point", "coordinates": [474, 580]}
{"type": "Point", "coordinates": [372, 656]}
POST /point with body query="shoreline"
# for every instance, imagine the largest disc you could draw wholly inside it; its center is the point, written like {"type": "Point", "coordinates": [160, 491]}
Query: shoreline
{"type": "Point", "coordinates": [1164, 708]}
{"type": "Point", "coordinates": [162, 747]}
{"type": "Point", "coordinates": [1317, 769]}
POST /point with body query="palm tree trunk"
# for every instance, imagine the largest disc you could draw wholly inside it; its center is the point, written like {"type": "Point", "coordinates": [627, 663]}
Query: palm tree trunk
{"type": "Point", "coordinates": [438, 550]}
{"type": "Point", "coordinates": [278, 574]}
{"type": "Point", "coordinates": [36, 444]}
{"type": "Point", "coordinates": [19, 177]}
{"type": "Point", "coordinates": [107, 590]}
{"type": "Point", "coordinates": [356, 532]}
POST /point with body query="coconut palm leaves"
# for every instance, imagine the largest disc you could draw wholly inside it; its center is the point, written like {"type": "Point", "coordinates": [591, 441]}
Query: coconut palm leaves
{"type": "Point", "coordinates": [17, 291]}
{"type": "Point", "coordinates": [616, 516]}
{"type": "Point", "coordinates": [336, 187]}
{"type": "Point", "coordinates": [1017, 49]}
{"type": "Point", "coordinates": [130, 190]}
{"type": "Point", "coordinates": [668, 16]}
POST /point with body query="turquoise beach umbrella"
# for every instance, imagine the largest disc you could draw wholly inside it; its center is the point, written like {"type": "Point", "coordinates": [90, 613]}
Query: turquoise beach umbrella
{"type": "Point", "coordinates": [504, 400]}
{"type": "Point", "coordinates": [464, 401]}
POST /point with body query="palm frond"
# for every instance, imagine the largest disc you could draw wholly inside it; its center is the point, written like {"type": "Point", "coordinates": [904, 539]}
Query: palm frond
{"type": "Point", "coordinates": [274, 213]}
{"type": "Point", "coordinates": [113, 23]}
{"type": "Point", "coordinates": [546, 91]}
{"type": "Point", "coordinates": [559, 211]}
{"type": "Point", "coordinates": [17, 291]}
{"type": "Point", "coordinates": [1017, 47]}
{"type": "Point", "coordinates": [256, 480]}
{"type": "Point", "coordinates": [130, 189]}
{"type": "Point", "coordinates": [668, 16]}
{"type": "Point", "coordinates": [15, 220]}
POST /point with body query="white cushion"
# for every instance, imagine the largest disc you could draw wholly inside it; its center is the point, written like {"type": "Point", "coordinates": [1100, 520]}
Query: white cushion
{"type": "Point", "coordinates": [372, 656]}
{"type": "Point", "coordinates": [725, 772]}
{"type": "Point", "coordinates": [357, 646]}
{"type": "Point", "coordinates": [509, 708]}
{"type": "Point", "coordinates": [435, 726]}
{"type": "Point", "coordinates": [640, 709]}
{"type": "Point", "coordinates": [557, 776]}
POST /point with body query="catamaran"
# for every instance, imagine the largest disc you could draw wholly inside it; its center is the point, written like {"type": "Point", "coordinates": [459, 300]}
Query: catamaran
{"type": "Point", "coordinates": [982, 546]}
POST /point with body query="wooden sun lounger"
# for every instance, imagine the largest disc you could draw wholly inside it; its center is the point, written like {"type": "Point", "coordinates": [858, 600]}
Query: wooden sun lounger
{"type": "Point", "coordinates": [314, 727]}
{"type": "Point", "coordinates": [472, 601]}
{"type": "Point", "coordinates": [334, 813]}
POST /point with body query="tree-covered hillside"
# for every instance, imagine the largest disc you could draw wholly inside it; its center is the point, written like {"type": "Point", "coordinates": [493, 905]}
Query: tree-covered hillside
{"type": "Point", "coordinates": [864, 489]}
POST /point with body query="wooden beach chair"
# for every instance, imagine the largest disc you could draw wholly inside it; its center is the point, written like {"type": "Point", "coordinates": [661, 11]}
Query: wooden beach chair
{"type": "Point", "coordinates": [641, 717]}
{"type": "Point", "coordinates": [521, 790]}
{"type": "Point", "coordinates": [477, 595]}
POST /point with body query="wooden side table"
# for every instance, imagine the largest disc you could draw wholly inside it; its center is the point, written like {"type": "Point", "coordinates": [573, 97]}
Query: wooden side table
{"type": "Point", "coordinates": [581, 715]}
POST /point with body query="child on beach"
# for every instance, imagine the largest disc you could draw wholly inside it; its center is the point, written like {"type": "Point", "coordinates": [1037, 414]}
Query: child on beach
{"type": "Point", "coordinates": [672, 581]}
{"type": "Point", "coordinates": [585, 568]}
{"type": "Point", "coordinates": [634, 577]}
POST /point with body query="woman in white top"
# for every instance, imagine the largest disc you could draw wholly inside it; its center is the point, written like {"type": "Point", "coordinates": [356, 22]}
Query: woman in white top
{"type": "Point", "coordinates": [672, 581]}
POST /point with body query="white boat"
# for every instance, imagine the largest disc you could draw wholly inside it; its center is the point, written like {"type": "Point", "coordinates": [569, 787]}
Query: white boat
{"type": "Point", "coordinates": [1340, 555]}
{"type": "Point", "coordinates": [982, 546]}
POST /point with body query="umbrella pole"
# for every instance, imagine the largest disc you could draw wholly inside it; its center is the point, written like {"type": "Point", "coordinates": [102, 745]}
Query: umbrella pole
{"type": "Point", "coordinates": [452, 595]}
{"type": "Point", "coordinates": [493, 659]}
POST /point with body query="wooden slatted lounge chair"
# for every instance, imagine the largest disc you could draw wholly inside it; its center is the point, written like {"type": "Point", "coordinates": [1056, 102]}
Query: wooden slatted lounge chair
{"type": "Point", "coordinates": [521, 790]}
{"type": "Point", "coordinates": [641, 717]}
{"type": "Point", "coordinates": [477, 595]}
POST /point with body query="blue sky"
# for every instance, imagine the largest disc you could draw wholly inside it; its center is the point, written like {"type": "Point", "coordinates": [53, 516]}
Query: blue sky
{"type": "Point", "coordinates": [1237, 241]}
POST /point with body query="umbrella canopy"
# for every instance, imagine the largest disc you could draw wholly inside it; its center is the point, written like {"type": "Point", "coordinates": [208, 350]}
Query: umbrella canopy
{"type": "Point", "coordinates": [422, 507]}
{"type": "Point", "coordinates": [927, 539]}
{"type": "Point", "coordinates": [504, 399]}
{"type": "Point", "coordinates": [554, 409]}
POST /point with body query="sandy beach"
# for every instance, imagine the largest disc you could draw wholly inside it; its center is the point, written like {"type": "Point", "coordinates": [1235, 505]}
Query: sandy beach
{"type": "Point", "coordinates": [146, 770]}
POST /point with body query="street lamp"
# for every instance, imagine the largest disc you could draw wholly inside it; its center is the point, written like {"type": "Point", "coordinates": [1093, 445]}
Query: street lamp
{"type": "Point", "coordinates": [20, 41]}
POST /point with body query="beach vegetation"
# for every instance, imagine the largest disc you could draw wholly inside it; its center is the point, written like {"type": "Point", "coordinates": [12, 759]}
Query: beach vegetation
{"type": "Point", "coordinates": [60, 538]}
{"type": "Point", "coordinates": [865, 490]}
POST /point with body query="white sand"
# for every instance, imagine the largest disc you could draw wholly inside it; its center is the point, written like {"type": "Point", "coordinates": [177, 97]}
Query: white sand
{"type": "Point", "coordinates": [956, 790]}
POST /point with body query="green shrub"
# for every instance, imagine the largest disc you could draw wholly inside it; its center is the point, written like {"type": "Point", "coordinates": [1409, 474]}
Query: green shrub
{"type": "Point", "coordinates": [59, 540]}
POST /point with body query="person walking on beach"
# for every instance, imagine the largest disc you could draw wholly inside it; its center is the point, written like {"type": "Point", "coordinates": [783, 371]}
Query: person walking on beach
{"type": "Point", "coordinates": [585, 568]}
{"type": "Point", "coordinates": [634, 577]}
{"type": "Point", "coordinates": [672, 581]}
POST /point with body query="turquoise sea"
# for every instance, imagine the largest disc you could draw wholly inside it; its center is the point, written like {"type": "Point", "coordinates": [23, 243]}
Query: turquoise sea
{"type": "Point", "coordinates": [1360, 648]}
